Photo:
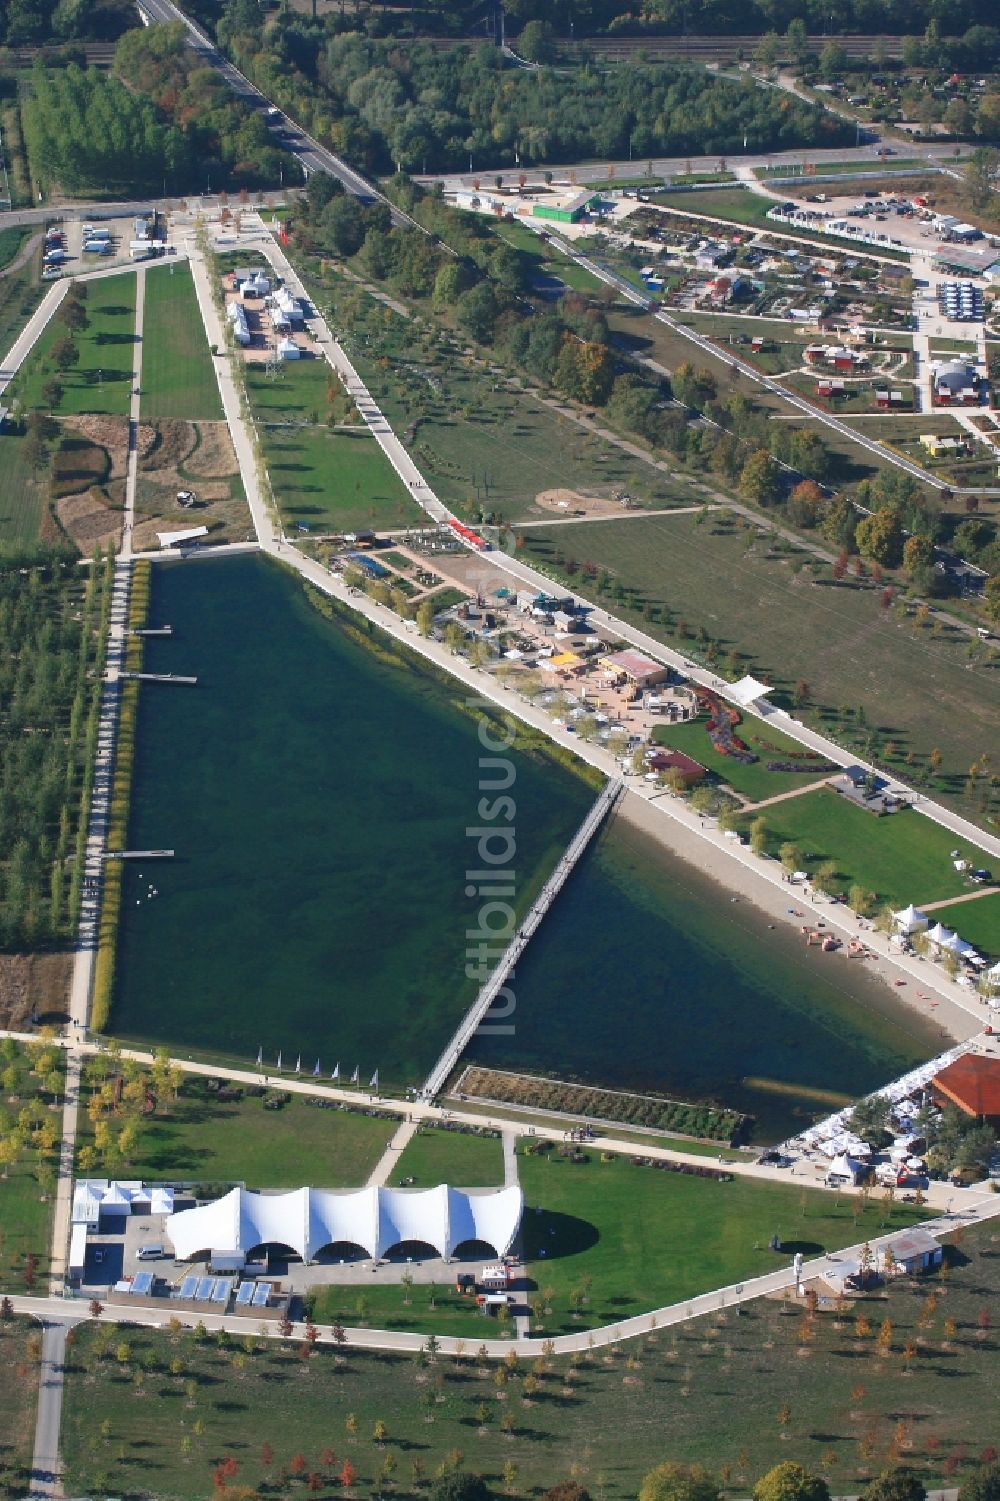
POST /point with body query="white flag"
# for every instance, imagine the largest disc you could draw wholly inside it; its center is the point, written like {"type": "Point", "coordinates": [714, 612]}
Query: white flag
{"type": "Point", "coordinates": [355, 1075]}
{"type": "Point", "coordinates": [336, 1072]}
{"type": "Point", "coordinates": [373, 1082]}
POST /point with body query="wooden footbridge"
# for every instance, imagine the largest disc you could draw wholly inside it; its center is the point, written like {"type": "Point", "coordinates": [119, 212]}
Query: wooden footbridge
{"type": "Point", "coordinates": [438, 1076]}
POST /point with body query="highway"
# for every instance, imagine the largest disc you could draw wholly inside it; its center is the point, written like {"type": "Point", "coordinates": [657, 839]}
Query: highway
{"type": "Point", "coordinates": [308, 152]}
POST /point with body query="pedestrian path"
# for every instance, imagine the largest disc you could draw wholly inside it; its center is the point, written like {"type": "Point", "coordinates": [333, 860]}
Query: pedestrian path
{"type": "Point", "coordinates": [389, 1160]}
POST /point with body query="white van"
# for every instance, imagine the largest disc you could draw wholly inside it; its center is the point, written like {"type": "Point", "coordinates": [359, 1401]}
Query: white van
{"type": "Point", "coordinates": [150, 1253]}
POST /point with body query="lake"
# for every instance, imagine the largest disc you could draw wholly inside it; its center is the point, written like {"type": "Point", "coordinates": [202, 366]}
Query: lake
{"type": "Point", "coordinates": [317, 796]}
{"type": "Point", "coordinates": [646, 976]}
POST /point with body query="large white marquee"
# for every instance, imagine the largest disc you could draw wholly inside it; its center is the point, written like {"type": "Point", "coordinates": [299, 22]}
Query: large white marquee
{"type": "Point", "coordinates": [376, 1219]}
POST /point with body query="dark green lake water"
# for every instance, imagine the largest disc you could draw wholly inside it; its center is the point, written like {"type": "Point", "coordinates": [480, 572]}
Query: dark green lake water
{"type": "Point", "coordinates": [317, 799]}
{"type": "Point", "coordinates": [647, 976]}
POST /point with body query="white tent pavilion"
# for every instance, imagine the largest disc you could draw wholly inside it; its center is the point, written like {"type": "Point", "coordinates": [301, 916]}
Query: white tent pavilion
{"type": "Point", "coordinates": [375, 1219]}
{"type": "Point", "coordinates": [939, 935]}
{"type": "Point", "coordinates": [958, 946]}
{"type": "Point", "coordinates": [910, 919]}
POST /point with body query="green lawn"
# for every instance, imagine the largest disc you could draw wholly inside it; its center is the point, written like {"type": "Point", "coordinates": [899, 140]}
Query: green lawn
{"type": "Point", "coordinates": [295, 393]}
{"type": "Point", "coordinates": [208, 1141]}
{"type": "Point", "coordinates": [743, 207]}
{"type": "Point", "coordinates": [335, 481]}
{"type": "Point", "coordinates": [11, 241]}
{"type": "Point", "coordinates": [977, 922]}
{"type": "Point", "coordinates": [23, 494]}
{"type": "Point", "coordinates": [18, 1397]}
{"type": "Point", "coordinates": [178, 377]}
{"type": "Point", "coordinates": [709, 1391]}
{"type": "Point", "coordinates": [425, 1308]}
{"type": "Point", "coordinates": [102, 381]}
{"type": "Point", "coordinates": [755, 781]}
{"type": "Point", "coordinates": [647, 1238]}
{"type": "Point", "coordinates": [452, 1157]}
{"type": "Point", "coordinates": [547, 260]}
{"type": "Point", "coordinates": [26, 1185]}
{"type": "Point", "coordinates": [877, 684]}
{"type": "Point", "coordinates": [901, 858]}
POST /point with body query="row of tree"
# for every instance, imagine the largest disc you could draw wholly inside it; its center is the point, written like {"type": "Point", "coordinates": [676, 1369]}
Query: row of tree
{"type": "Point", "coordinates": [435, 109]}
{"type": "Point", "coordinates": [52, 626]}
{"type": "Point", "coordinates": [28, 23]}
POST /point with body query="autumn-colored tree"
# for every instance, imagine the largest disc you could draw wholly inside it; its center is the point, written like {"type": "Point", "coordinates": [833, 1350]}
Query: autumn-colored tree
{"type": "Point", "coordinates": [348, 1475]}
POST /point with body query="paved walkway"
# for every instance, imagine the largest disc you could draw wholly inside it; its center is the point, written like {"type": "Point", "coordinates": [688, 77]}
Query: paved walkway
{"type": "Point", "coordinates": [783, 797]}
{"type": "Point", "coordinates": [953, 901]}
{"type": "Point", "coordinates": [25, 253]}
{"type": "Point", "coordinates": [31, 333]}
{"type": "Point", "coordinates": [46, 1463]}
{"type": "Point", "coordinates": [389, 1160]}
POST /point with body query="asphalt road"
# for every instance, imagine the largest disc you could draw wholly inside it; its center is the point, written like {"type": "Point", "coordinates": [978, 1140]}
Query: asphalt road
{"type": "Point", "coordinates": [308, 152]}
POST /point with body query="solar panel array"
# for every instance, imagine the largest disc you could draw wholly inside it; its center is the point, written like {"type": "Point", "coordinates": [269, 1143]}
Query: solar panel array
{"type": "Point", "coordinates": [142, 1284]}
{"type": "Point", "coordinates": [244, 1294]}
{"type": "Point", "coordinates": [203, 1291]}
{"type": "Point", "coordinates": [222, 1290]}
{"type": "Point", "coordinates": [188, 1287]}
{"type": "Point", "coordinates": [262, 1294]}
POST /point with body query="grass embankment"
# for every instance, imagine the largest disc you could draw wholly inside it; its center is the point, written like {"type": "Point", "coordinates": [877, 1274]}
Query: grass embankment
{"type": "Point", "coordinates": [623, 1239]}
{"type": "Point", "coordinates": [710, 1391]}
{"type": "Point", "coordinates": [32, 1081]}
{"type": "Point", "coordinates": [101, 380]}
{"type": "Point", "coordinates": [878, 683]}
{"type": "Point", "coordinates": [546, 261]}
{"type": "Point", "coordinates": [178, 376]}
{"type": "Point", "coordinates": [900, 858]}
{"type": "Point", "coordinates": [200, 1138]}
{"type": "Point", "coordinates": [114, 870]}
{"type": "Point", "coordinates": [460, 1159]}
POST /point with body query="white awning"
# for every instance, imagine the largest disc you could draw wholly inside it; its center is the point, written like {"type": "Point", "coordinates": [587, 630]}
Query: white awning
{"type": "Point", "coordinates": [376, 1219]}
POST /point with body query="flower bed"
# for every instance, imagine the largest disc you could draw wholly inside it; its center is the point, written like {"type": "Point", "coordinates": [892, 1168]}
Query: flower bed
{"type": "Point", "coordinates": [600, 1104]}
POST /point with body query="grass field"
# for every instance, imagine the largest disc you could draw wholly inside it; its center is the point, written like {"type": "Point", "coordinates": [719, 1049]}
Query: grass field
{"type": "Point", "coordinates": [335, 481]}
{"type": "Point", "coordinates": [546, 260]}
{"type": "Point", "coordinates": [18, 1397]}
{"type": "Point", "coordinates": [710, 1391]}
{"type": "Point", "coordinates": [915, 686]}
{"type": "Point", "coordinates": [755, 781]}
{"type": "Point", "coordinates": [473, 437]}
{"type": "Point", "coordinates": [203, 1139]}
{"type": "Point", "coordinates": [295, 393]}
{"type": "Point", "coordinates": [426, 1308]}
{"type": "Point", "coordinates": [434, 1157]}
{"type": "Point", "coordinates": [102, 380]}
{"type": "Point", "coordinates": [977, 922]}
{"type": "Point", "coordinates": [11, 241]}
{"type": "Point", "coordinates": [178, 378]}
{"type": "Point", "coordinates": [23, 496]}
{"type": "Point", "coordinates": [901, 858]}
{"type": "Point", "coordinates": [646, 1238]}
{"type": "Point", "coordinates": [25, 1200]}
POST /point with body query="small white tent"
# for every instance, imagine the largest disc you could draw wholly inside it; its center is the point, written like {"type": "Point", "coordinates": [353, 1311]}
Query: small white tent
{"type": "Point", "coordinates": [910, 919]}
{"type": "Point", "coordinates": [940, 935]}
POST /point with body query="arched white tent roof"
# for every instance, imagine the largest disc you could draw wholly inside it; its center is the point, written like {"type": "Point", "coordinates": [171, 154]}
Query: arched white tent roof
{"type": "Point", "coordinates": [910, 918]}
{"type": "Point", "coordinates": [307, 1219]}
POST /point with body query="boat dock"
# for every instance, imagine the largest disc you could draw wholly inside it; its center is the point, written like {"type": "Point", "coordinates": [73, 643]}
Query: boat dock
{"type": "Point", "coordinates": [157, 677]}
{"type": "Point", "coordinates": [438, 1076]}
{"type": "Point", "coordinates": [152, 630]}
{"type": "Point", "coordinates": [139, 855]}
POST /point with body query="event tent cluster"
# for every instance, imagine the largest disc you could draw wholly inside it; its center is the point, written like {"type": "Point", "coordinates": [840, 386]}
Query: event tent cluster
{"type": "Point", "coordinates": [307, 1220]}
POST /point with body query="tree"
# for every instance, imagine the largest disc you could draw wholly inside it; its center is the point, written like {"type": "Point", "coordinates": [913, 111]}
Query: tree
{"type": "Point", "coordinates": [790, 1482]}
{"type": "Point", "coordinates": [679, 1482]}
{"type": "Point", "coordinates": [982, 1485]}
{"type": "Point", "coordinates": [65, 353]}
{"type": "Point", "coordinates": [566, 1490]}
{"type": "Point", "coordinates": [758, 835]}
{"type": "Point", "coordinates": [918, 554]}
{"type": "Point", "coordinates": [536, 42]}
{"type": "Point", "coordinates": [790, 856]}
{"type": "Point", "coordinates": [880, 536]}
{"type": "Point", "coordinates": [840, 522]}
{"type": "Point", "coordinates": [760, 479]}
{"type": "Point", "coordinates": [460, 1485]}
{"type": "Point", "coordinates": [425, 616]}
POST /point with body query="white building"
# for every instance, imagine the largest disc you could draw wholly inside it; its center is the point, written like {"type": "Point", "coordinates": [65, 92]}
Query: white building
{"type": "Point", "coordinates": [307, 1220]}
{"type": "Point", "coordinates": [256, 285]}
{"type": "Point", "coordinates": [288, 350]}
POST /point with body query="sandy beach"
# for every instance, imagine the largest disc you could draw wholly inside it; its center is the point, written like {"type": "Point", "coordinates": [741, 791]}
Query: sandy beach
{"type": "Point", "coordinates": [746, 877]}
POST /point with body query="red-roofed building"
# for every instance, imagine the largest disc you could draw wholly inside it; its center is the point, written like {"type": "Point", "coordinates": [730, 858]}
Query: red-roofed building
{"type": "Point", "coordinates": [673, 760]}
{"type": "Point", "coordinates": [972, 1083]}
